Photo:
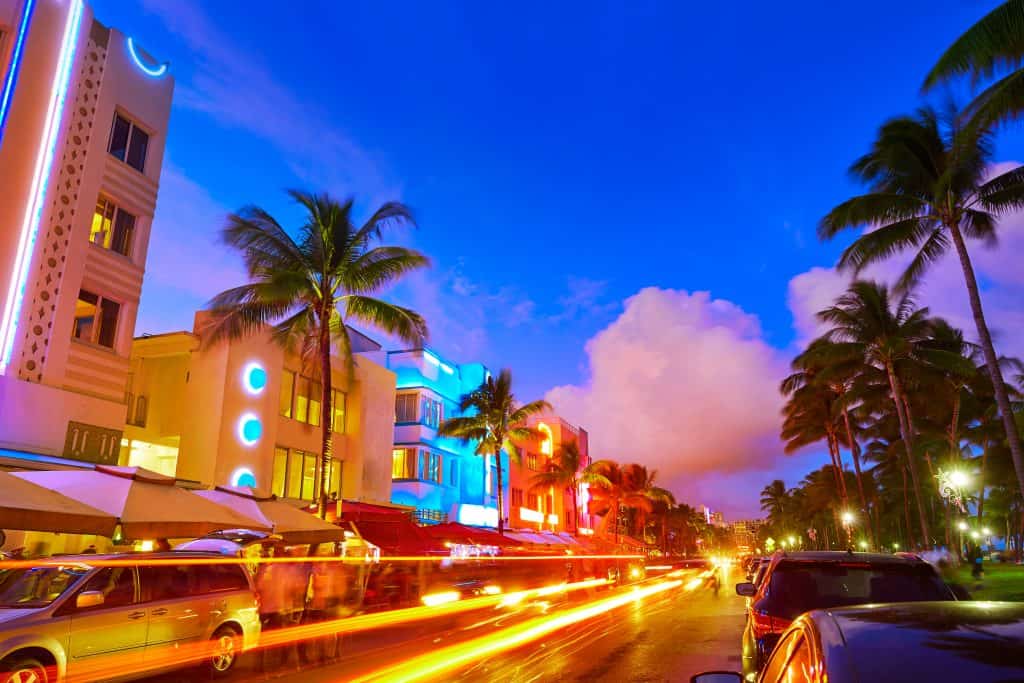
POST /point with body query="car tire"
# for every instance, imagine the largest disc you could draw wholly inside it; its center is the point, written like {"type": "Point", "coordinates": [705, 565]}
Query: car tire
{"type": "Point", "coordinates": [26, 670]}
{"type": "Point", "coordinates": [226, 647]}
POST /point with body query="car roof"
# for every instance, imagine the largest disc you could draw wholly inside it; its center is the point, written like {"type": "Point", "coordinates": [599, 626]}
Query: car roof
{"type": "Point", "coordinates": [966, 640]}
{"type": "Point", "coordinates": [845, 556]}
{"type": "Point", "coordinates": [94, 558]}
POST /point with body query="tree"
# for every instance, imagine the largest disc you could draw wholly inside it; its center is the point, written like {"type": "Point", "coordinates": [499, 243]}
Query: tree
{"type": "Point", "coordinates": [928, 190]}
{"type": "Point", "coordinates": [775, 501]}
{"type": "Point", "coordinates": [566, 471]}
{"type": "Point", "coordinates": [994, 44]}
{"type": "Point", "coordinates": [307, 288]}
{"type": "Point", "coordinates": [494, 420]}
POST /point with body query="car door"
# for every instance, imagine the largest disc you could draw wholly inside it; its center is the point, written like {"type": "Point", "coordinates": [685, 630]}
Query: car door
{"type": "Point", "coordinates": [178, 612]}
{"type": "Point", "coordinates": [109, 638]}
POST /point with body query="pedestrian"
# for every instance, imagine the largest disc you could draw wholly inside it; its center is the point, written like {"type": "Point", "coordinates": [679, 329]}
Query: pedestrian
{"type": "Point", "coordinates": [272, 588]}
{"type": "Point", "coordinates": [162, 545]}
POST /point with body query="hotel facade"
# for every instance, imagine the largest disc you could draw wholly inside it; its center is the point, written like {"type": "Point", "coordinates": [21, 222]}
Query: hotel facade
{"type": "Point", "coordinates": [83, 124]}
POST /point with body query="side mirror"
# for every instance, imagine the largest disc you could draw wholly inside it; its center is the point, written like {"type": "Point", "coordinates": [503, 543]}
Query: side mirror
{"type": "Point", "coordinates": [89, 599]}
{"type": "Point", "coordinates": [746, 589]}
{"type": "Point", "coordinates": [717, 677]}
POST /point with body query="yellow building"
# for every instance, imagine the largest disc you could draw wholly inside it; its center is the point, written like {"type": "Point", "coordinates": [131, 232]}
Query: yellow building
{"type": "Point", "coordinates": [246, 413]}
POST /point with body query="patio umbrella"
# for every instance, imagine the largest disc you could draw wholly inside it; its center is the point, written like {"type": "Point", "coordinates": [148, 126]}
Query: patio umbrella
{"type": "Point", "coordinates": [146, 504]}
{"type": "Point", "coordinates": [29, 507]}
{"type": "Point", "coordinates": [293, 525]}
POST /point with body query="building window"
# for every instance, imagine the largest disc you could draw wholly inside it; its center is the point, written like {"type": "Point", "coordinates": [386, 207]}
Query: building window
{"type": "Point", "coordinates": [295, 474]}
{"type": "Point", "coordinates": [515, 497]}
{"type": "Point", "coordinates": [533, 501]}
{"type": "Point", "coordinates": [129, 143]}
{"type": "Point", "coordinates": [112, 227]}
{"type": "Point", "coordinates": [453, 472]}
{"type": "Point", "coordinates": [405, 408]}
{"type": "Point", "coordinates": [403, 463]}
{"type": "Point", "coordinates": [531, 461]}
{"type": "Point", "coordinates": [338, 399]}
{"type": "Point", "coordinates": [550, 509]}
{"type": "Point", "coordinates": [95, 319]}
{"type": "Point", "coordinates": [431, 412]}
{"type": "Point", "coordinates": [287, 393]}
{"type": "Point", "coordinates": [430, 466]}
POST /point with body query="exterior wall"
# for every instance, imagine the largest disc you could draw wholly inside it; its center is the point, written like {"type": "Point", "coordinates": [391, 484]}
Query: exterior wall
{"type": "Point", "coordinates": [423, 373]}
{"type": "Point", "coordinates": [197, 396]}
{"type": "Point", "coordinates": [47, 211]}
{"type": "Point", "coordinates": [553, 510]}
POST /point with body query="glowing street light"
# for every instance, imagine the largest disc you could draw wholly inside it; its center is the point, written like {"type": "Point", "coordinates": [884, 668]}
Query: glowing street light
{"type": "Point", "coordinates": [792, 541]}
{"type": "Point", "coordinates": [986, 531]}
{"type": "Point", "coordinates": [951, 486]}
{"type": "Point", "coordinates": [962, 526]}
{"type": "Point", "coordinates": [959, 479]}
{"type": "Point", "coordinates": [975, 535]}
{"type": "Point", "coordinates": [895, 546]}
{"type": "Point", "coordinates": [863, 545]}
{"type": "Point", "coordinates": [847, 517]}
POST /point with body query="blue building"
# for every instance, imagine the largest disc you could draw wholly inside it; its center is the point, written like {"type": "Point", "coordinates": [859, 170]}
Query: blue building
{"type": "Point", "coordinates": [445, 480]}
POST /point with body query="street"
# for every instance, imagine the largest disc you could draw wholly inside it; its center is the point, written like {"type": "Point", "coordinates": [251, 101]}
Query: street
{"type": "Point", "coordinates": [666, 636]}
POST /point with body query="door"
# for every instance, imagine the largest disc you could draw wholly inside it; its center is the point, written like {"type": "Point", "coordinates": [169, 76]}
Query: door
{"type": "Point", "coordinates": [107, 639]}
{"type": "Point", "coordinates": [178, 611]}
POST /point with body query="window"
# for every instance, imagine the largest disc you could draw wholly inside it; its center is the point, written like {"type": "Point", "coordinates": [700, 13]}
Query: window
{"type": "Point", "coordinates": [112, 227]}
{"type": "Point", "coordinates": [128, 143]}
{"type": "Point", "coordinates": [117, 584]}
{"type": "Point", "coordinates": [223, 577]}
{"type": "Point", "coordinates": [287, 392]}
{"type": "Point", "coordinates": [338, 399]}
{"type": "Point", "coordinates": [295, 474]}
{"type": "Point", "coordinates": [403, 463]}
{"type": "Point", "coordinates": [280, 473]}
{"type": "Point", "coordinates": [531, 461]}
{"type": "Point", "coordinates": [95, 319]}
{"type": "Point", "coordinates": [431, 412]}
{"type": "Point", "coordinates": [302, 399]}
{"type": "Point", "coordinates": [453, 472]}
{"type": "Point", "coordinates": [166, 582]}
{"type": "Point", "coordinates": [515, 498]}
{"type": "Point", "coordinates": [316, 393]}
{"type": "Point", "coordinates": [141, 409]}
{"type": "Point", "coordinates": [430, 466]}
{"type": "Point", "coordinates": [550, 508]}
{"type": "Point", "coordinates": [405, 408]}
{"type": "Point", "coordinates": [533, 501]}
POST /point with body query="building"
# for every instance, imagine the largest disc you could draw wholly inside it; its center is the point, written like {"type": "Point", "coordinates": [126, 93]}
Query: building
{"type": "Point", "coordinates": [83, 123]}
{"type": "Point", "coordinates": [711, 517]}
{"type": "Point", "coordinates": [744, 533]}
{"type": "Point", "coordinates": [549, 510]}
{"type": "Point", "coordinates": [442, 478]}
{"type": "Point", "coordinates": [246, 413]}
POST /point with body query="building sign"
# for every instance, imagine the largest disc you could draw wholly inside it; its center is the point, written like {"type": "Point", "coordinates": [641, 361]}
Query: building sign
{"type": "Point", "coordinates": [90, 443]}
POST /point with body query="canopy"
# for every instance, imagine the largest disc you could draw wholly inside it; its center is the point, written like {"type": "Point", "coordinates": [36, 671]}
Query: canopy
{"type": "Point", "coordinates": [26, 506]}
{"type": "Point", "coordinates": [468, 535]}
{"type": "Point", "coordinates": [147, 504]}
{"type": "Point", "coordinates": [399, 537]}
{"type": "Point", "coordinates": [294, 526]}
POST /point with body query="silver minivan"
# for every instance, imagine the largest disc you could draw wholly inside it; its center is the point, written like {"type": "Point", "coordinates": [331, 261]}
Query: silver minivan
{"type": "Point", "coordinates": [103, 617]}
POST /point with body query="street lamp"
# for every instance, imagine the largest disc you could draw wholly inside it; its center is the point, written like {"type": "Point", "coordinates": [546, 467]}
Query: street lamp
{"type": "Point", "coordinates": [975, 535]}
{"type": "Point", "coordinates": [951, 486]}
{"type": "Point", "coordinates": [792, 541]}
{"type": "Point", "coordinates": [863, 545]}
{"type": "Point", "coordinates": [962, 526]}
{"type": "Point", "coordinates": [847, 517]}
{"type": "Point", "coordinates": [986, 531]}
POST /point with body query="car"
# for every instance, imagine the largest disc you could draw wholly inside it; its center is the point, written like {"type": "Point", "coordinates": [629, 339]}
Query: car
{"type": "Point", "coordinates": [979, 642]}
{"type": "Point", "coordinates": [99, 617]}
{"type": "Point", "coordinates": [798, 582]}
{"type": "Point", "coordinates": [758, 570]}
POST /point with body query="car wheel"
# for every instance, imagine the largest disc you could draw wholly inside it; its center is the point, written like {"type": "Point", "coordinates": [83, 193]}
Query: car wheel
{"type": "Point", "coordinates": [25, 670]}
{"type": "Point", "coordinates": [226, 647]}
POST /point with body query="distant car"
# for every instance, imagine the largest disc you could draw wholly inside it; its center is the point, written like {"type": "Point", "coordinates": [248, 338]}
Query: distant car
{"type": "Point", "coordinates": [979, 642]}
{"type": "Point", "coordinates": [70, 618]}
{"type": "Point", "coordinates": [795, 583]}
{"type": "Point", "coordinates": [758, 570]}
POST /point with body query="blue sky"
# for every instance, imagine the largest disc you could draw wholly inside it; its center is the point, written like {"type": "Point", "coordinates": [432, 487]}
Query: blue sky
{"type": "Point", "coordinates": [560, 157]}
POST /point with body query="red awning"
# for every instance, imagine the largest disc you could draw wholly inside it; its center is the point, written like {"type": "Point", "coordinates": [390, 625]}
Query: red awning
{"type": "Point", "coordinates": [453, 532]}
{"type": "Point", "coordinates": [398, 536]}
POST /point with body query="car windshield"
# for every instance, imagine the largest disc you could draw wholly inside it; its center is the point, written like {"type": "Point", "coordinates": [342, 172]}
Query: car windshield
{"type": "Point", "coordinates": [37, 586]}
{"type": "Point", "coordinates": [798, 587]}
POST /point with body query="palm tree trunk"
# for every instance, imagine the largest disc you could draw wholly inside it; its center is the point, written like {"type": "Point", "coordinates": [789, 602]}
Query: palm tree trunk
{"type": "Point", "coordinates": [897, 394]}
{"type": "Point", "coordinates": [837, 465]}
{"type": "Point", "coordinates": [906, 508]}
{"type": "Point", "coordinates": [327, 442]}
{"type": "Point", "coordinates": [501, 498]}
{"type": "Point", "coordinates": [855, 453]}
{"type": "Point", "coordinates": [981, 481]}
{"type": "Point", "coordinates": [991, 360]}
{"type": "Point", "coordinates": [575, 511]}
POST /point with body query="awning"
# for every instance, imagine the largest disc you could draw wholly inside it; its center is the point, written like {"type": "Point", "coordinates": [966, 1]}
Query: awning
{"type": "Point", "coordinates": [455, 532]}
{"type": "Point", "coordinates": [294, 526]}
{"type": "Point", "coordinates": [147, 504]}
{"type": "Point", "coordinates": [27, 506]}
{"type": "Point", "coordinates": [398, 536]}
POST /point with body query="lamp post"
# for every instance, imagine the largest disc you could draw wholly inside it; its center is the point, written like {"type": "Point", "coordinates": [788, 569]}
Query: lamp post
{"type": "Point", "coordinates": [961, 527]}
{"type": "Point", "coordinates": [847, 519]}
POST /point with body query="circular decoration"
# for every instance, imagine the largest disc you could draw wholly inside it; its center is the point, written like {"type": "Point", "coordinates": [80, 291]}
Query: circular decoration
{"type": "Point", "coordinates": [254, 378]}
{"type": "Point", "coordinates": [243, 476]}
{"type": "Point", "coordinates": [250, 429]}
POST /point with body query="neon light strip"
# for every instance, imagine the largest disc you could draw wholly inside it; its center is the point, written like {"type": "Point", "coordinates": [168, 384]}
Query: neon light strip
{"type": "Point", "coordinates": [12, 73]}
{"type": "Point", "coordinates": [44, 161]}
{"type": "Point", "coordinates": [155, 72]}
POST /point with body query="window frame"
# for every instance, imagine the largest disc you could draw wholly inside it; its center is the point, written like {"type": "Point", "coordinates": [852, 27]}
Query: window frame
{"type": "Point", "coordinates": [97, 331]}
{"type": "Point", "coordinates": [133, 125]}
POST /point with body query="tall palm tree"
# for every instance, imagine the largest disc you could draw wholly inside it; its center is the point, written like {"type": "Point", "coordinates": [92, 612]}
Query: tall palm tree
{"type": "Point", "coordinates": [624, 490]}
{"type": "Point", "coordinates": [566, 471]}
{"type": "Point", "coordinates": [494, 420]}
{"type": "Point", "coordinates": [307, 287]}
{"type": "Point", "coordinates": [995, 44]}
{"type": "Point", "coordinates": [928, 188]}
{"type": "Point", "coordinates": [775, 501]}
{"type": "Point", "coordinates": [809, 416]}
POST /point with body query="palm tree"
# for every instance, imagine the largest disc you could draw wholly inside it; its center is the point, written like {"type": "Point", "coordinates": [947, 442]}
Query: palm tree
{"type": "Point", "coordinates": [994, 44]}
{"type": "Point", "coordinates": [928, 188]}
{"type": "Point", "coordinates": [775, 501]}
{"type": "Point", "coordinates": [494, 421]}
{"type": "Point", "coordinates": [307, 288]}
{"type": "Point", "coordinates": [566, 471]}
{"type": "Point", "coordinates": [625, 489]}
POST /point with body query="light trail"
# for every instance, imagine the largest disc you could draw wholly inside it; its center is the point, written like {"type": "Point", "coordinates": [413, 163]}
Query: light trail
{"type": "Point", "coordinates": [447, 659]}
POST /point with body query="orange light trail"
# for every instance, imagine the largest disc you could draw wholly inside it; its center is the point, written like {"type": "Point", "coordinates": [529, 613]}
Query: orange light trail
{"type": "Point", "coordinates": [453, 657]}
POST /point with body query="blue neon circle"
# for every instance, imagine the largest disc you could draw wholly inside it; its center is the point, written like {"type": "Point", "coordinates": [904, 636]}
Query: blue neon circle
{"type": "Point", "coordinates": [250, 429]}
{"type": "Point", "coordinates": [244, 477]}
{"type": "Point", "coordinates": [255, 378]}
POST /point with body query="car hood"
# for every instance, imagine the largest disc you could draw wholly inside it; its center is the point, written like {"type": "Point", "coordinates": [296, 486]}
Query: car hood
{"type": "Point", "coordinates": [8, 615]}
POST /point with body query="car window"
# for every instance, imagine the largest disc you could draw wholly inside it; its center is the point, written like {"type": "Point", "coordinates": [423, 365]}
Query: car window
{"type": "Point", "coordinates": [776, 666]}
{"type": "Point", "coordinates": [225, 577]}
{"type": "Point", "coordinates": [167, 582]}
{"type": "Point", "coordinates": [36, 586]}
{"type": "Point", "coordinates": [117, 584]}
{"type": "Point", "coordinates": [798, 587]}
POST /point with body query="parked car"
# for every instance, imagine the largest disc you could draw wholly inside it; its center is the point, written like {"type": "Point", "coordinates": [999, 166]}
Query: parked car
{"type": "Point", "coordinates": [69, 617]}
{"type": "Point", "coordinates": [799, 582]}
{"type": "Point", "coordinates": [979, 642]}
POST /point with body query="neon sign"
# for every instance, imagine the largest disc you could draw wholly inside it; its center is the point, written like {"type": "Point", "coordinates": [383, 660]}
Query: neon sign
{"type": "Point", "coordinates": [243, 476]}
{"type": "Point", "coordinates": [250, 429]}
{"type": "Point", "coordinates": [12, 73]}
{"type": "Point", "coordinates": [154, 71]}
{"type": "Point", "coordinates": [254, 378]}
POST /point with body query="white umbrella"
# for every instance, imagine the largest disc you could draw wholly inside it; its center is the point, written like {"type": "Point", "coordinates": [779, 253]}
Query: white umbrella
{"type": "Point", "coordinates": [26, 506]}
